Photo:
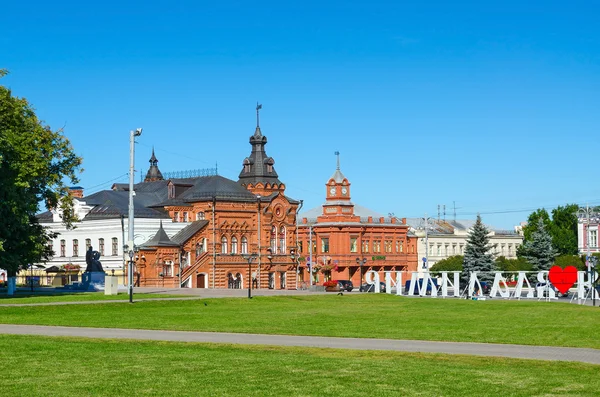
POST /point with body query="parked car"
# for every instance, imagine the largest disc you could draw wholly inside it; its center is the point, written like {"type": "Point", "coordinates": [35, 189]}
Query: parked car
{"type": "Point", "coordinates": [366, 287]}
{"type": "Point", "coordinates": [345, 285]}
{"type": "Point", "coordinates": [420, 286]}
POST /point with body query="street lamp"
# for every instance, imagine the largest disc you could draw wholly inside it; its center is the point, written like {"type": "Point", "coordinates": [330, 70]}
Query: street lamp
{"type": "Point", "coordinates": [295, 256]}
{"type": "Point", "coordinates": [361, 263]}
{"type": "Point", "coordinates": [249, 258]}
{"type": "Point", "coordinates": [132, 135]}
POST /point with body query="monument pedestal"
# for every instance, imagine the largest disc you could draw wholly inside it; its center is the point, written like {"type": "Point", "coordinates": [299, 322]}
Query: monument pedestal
{"type": "Point", "coordinates": [111, 286]}
{"type": "Point", "coordinates": [93, 281]}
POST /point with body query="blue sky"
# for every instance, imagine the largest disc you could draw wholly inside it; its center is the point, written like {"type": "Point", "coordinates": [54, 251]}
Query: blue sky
{"type": "Point", "coordinates": [491, 105]}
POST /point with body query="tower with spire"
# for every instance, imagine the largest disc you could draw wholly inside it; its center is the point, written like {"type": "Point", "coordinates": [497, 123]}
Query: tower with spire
{"type": "Point", "coordinates": [337, 203]}
{"type": "Point", "coordinates": [154, 173]}
{"type": "Point", "coordinates": [258, 174]}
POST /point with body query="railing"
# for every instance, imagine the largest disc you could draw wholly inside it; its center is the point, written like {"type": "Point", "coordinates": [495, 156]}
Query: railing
{"type": "Point", "coordinates": [188, 270]}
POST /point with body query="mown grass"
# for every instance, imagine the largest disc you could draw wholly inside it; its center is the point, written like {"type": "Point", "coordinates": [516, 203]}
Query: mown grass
{"type": "Point", "coordinates": [42, 366]}
{"type": "Point", "coordinates": [363, 316]}
{"type": "Point", "coordinates": [33, 297]}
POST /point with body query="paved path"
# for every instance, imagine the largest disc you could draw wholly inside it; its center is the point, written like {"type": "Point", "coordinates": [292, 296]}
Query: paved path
{"type": "Point", "coordinates": [591, 356]}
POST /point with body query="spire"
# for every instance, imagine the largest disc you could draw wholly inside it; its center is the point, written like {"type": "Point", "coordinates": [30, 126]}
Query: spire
{"type": "Point", "coordinates": [258, 167]}
{"type": "Point", "coordinates": [154, 173]}
{"type": "Point", "coordinates": [337, 176]}
{"type": "Point", "coordinates": [160, 239]}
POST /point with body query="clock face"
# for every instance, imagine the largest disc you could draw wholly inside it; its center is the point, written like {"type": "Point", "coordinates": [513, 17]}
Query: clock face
{"type": "Point", "coordinates": [332, 190]}
{"type": "Point", "coordinates": [344, 190]}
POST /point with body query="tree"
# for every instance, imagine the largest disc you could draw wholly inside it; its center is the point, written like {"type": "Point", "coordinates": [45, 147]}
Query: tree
{"type": "Point", "coordinates": [35, 162]}
{"type": "Point", "coordinates": [450, 264]}
{"type": "Point", "coordinates": [562, 228]}
{"type": "Point", "coordinates": [512, 265]}
{"type": "Point", "coordinates": [477, 252]}
{"type": "Point", "coordinates": [539, 250]}
{"type": "Point", "coordinates": [570, 260]}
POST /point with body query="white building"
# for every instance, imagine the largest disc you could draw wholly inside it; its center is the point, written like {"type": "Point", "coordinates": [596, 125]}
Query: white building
{"type": "Point", "coordinates": [587, 230]}
{"type": "Point", "coordinates": [448, 238]}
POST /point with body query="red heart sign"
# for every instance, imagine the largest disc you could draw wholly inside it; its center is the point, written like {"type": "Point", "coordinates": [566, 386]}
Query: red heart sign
{"type": "Point", "coordinates": [563, 279]}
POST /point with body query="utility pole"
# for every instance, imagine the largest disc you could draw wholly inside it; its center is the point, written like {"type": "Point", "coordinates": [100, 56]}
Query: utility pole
{"type": "Point", "coordinates": [130, 243]}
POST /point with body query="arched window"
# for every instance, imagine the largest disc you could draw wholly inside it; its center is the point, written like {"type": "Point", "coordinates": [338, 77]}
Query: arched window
{"type": "Point", "coordinates": [200, 216]}
{"type": "Point", "coordinates": [101, 246]}
{"type": "Point", "coordinates": [244, 245]}
{"type": "Point", "coordinates": [234, 243]}
{"type": "Point", "coordinates": [274, 239]}
{"type": "Point", "coordinates": [199, 247]}
{"type": "Point", "coordinates": [282, 240]}
{"type": "Point", "coordinates": [224, 245]}
{"type": "Point", "coordinates": [115, 246]}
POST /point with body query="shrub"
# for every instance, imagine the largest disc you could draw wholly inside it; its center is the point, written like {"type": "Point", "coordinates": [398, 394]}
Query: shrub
{"type": "Point", "coordinates": [330, 283]}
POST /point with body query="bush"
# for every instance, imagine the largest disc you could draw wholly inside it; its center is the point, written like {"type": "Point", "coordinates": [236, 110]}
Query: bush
{"type": "Point", "coordinates": [512, 265]}
{"type": "Point", "coordinates": [451, 264]}
{"type": "Point", "coordinates": [330, 283]}
{"type": "Point", "coordinates": [570, 260]}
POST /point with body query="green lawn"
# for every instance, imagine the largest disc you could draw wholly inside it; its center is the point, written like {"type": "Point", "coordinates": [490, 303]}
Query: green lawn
{"type": "Point", "coordinates": [41, 366]}
{"type": "Point", "coordinates": [35, 297]}
{"type": "Point", "coordinates": [364, 315]}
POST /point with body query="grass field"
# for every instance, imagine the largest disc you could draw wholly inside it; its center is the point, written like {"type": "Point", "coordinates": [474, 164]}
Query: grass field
{"type": "Point", "coordinates": [40, 366]}
{"type": "Point", "coordinates": [364, 315]}
{"type": "Point", "coordinates": [22, 297]}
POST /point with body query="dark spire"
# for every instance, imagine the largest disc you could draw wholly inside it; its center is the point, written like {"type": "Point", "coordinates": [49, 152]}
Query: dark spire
{"type": "Point", "coordinates": [258, 167]}
{"type": "Point", "coordinates": [154, 173]}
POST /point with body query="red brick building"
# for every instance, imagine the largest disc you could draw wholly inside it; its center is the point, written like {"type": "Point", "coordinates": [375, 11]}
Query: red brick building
{"type": "Point", "coordinates": [231, 225]}
{"type": "Point", "coordinates": [348, 240]}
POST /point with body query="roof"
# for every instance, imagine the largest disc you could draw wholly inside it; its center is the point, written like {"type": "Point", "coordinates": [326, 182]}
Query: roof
{"type": "Point", "coordinates": [160, 239]}
{"type": "Point", "coordinates": [448, 226]}
{"type": "Point", "coordinates": [360, 211]}
{"type": "Point", "coordinates": [260, 166]}
{"type": "Point", "coordinates": [113, 204]}
{"type": "Point", "coordinates": [189, 231]}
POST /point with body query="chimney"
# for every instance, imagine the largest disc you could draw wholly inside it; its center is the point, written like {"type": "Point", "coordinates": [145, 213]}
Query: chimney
{"type": "Point", "coordinates": [404, 221]}
{"type": "Point", "coordinates": [370, 219]}
{"type": "Point", "coordinates": [381, 219]}
{"type": "Point", "coordinates": [76, 191]}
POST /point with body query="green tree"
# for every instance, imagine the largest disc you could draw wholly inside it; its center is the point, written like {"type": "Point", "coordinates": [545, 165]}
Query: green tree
{"type": "Point", "coordinates": [564, 229]}
{"type": "Point", "coordinates": [452, 263]}
{"type": "Point", "coordinates": [570, 260]}
{"type": "Point", "coordinates": [539, 251]}
{"type": "Point", "coordinates": [477, 252]}
{"type": "Point", "coordinates": [35, 162]}
{"type": "Point", "coordinates": [512, 265]}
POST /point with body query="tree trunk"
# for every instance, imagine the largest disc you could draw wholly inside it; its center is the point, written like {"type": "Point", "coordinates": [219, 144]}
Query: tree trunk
{"type": "Point", "coordinates": [11, 284]}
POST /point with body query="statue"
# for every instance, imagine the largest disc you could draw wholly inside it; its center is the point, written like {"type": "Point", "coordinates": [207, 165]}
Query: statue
{"type": "Point", "coordinates": [93, 262]}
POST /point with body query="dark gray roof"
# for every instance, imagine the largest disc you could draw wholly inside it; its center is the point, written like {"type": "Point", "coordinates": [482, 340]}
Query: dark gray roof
{"type": "Point", "coordinates": [112, 204]}
{"type": "Point", "coordinates": [188, 232]}
{"type": "Point", "coordinates": [45, 217]}
{"type": "Point", "coordinates": [160, 239]}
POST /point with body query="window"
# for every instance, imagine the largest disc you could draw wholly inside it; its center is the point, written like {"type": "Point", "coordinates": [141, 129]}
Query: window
{"type": "Point", "coordinates": [234, 242]}
{"type": "Point", "coordinates": [63, 248]}
{"type": "Point", "coordinates": [282, 240]}
{"type": "Point", "coordinates": [314, 247]}
{"type": "Point", "coordinates": [388, 245]}
{"type": "Point", "coordinates": [75, 247]}
{"type": "Point", "coordinates": [168, 270]}
{"type": "Point", "coordinates": [200, 216]}
{"type": "Point", "coordinates": [244, 245]}
{"type": "Point", "coordinates": [446, 249]}
{"type": "Point", "coordinates": [509, 249]}
{"type": "Point", "coordinates": [185, 217]}
{"type": "Point", "coordinates": [593, 238]}
{"type": "Point", "coordinates": [324, 245]}
{"type": "Point", "coordinates": [199, 248]}
{"type": "Point", "coordinates": [88, 244]}
{"type": "Point", "coordinates": [353, 245]}
{"type": "Point", "coordinates": [101, 246]}
{"type": "Point", "coordinates": [462, 249]}
{"type": "Point", "coordinates": [175, 216]}
{"type": "Point", "coordinates": [274, 240]}
{"type": "Point", "coordinates": [439, 249]}
{"type": "Point", "coordinates": [224, 245]}
{"type": "Point", "coordinates": [300, 247]}
{"type": "Point", "coordinates": [453, 249]}
{"type": "Point", "coordinates": [377, 246]}
{"type": "Point", "coordinates": [365, 246]}
{"type": "Point", "coordinates": [115, 246]}
{"type": "Point", "coordinates": [171, 191]}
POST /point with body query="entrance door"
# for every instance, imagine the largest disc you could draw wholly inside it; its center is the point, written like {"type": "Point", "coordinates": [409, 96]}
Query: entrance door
{"type": "Point", "coordinates": [282, 280]}
{"type": "Point", "coordinates": [271, 280]}
{"type": "Point", "coordinates": [201, 281]}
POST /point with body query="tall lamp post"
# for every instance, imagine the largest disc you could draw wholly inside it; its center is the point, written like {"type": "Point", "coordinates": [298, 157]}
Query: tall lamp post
{"type": "Point", "coordinates": [361, 263]}
{"type": "Point", "coordinates": [132, 135]}
{"type": "Point", "coordinates": [249, 258]}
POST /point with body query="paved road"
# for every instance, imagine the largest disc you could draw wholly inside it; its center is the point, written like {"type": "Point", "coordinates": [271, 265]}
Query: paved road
{"type": "Point", "coordinates": [591, 356]}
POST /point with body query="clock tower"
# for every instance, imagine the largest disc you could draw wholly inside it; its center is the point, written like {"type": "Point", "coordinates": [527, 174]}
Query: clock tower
{"type": "Point", "coordinates": [337, 195]}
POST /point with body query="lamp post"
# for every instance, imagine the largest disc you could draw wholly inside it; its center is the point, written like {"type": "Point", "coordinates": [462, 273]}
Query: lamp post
{"type": "Point", "coordinates": [586, 215]}
{"type": "Point", "coordinates": [132, 135]}
{"type": "Point", "coordinates": [295, 256]}
{"type": "Point", "coordinates": [361, 263]}
{"type": "Point", "coordinates": [249, 258]}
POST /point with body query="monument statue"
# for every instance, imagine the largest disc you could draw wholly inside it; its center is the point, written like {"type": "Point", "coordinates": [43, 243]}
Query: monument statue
{"type": "Point", "coordinates": [93, 262]}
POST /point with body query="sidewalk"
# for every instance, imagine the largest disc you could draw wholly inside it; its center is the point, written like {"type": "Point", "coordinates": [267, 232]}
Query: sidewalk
{"type": "Point", "coordinates": [591, 356]}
